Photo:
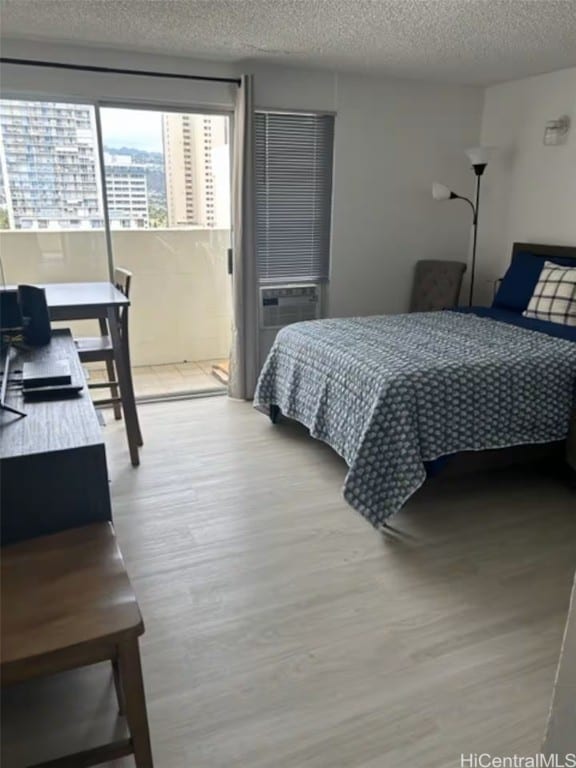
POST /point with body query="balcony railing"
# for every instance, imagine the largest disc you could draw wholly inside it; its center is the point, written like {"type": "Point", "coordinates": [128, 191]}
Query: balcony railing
{"type": "Point", "coordinates": [181, 298]}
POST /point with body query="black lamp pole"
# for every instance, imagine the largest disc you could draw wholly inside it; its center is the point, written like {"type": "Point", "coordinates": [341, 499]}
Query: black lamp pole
{"type": "Point", "coordinates": [478, 157]}
{"type": "Point", "coordinates": [478, 169]}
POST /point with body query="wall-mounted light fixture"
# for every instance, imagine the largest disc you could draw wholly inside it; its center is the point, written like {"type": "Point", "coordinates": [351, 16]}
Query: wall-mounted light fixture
{"type": "Point", "coordinates": [557, 131]}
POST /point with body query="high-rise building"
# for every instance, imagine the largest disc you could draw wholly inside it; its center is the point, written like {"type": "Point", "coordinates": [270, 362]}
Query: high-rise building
{"type": "Point", "coordinates": [49, 165]}
{"type": "Point", "coordinates": [196, 156]}
{"type": "Point", "coordinates": [127, 192]}
{"type": "Point", "coordinates": [50, 176]}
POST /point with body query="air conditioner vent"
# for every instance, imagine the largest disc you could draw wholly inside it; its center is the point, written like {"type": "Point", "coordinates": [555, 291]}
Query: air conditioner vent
{"type": "Point", "coordinates": [282, 305]}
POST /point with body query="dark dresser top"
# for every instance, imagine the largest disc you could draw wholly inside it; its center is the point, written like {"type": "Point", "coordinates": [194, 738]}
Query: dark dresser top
{"type": "Point", "coordinates": [51, 425]}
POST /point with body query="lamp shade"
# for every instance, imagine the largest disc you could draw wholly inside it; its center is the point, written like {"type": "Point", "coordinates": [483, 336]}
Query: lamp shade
{"type": "Point", "coordinates": [440, 192]}
{"type": "Point", "coordinates": [478, 155]}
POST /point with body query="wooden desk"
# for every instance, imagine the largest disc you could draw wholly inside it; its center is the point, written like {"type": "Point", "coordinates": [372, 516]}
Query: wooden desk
{"type": "Point", "coordinates": [87, 301]}
{"type": "Point", "coordinates": [53, 472]}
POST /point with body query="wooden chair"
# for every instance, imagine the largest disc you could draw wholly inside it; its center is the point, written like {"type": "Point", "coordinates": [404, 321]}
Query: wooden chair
{"type": "Point", "coordinates": [99, 349]}
{"type": "Point", "coordinates": [67, 602]}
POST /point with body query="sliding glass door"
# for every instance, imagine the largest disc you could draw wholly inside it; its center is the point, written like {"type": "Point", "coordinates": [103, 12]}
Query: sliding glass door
{"type": "Point", "coordinates": [164, 191]}
{"type": "Point", "coordinates": [168, 194]}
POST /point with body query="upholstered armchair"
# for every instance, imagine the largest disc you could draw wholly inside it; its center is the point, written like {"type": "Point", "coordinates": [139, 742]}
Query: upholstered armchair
{"type": "Point", "coordinates": [437, 285]}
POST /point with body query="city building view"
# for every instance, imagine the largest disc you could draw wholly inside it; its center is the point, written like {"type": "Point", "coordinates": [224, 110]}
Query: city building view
{"type": "Point", "coordinates": [197, 180]}
{"type": "Point", "coordinates": [162, 170]}
{"type": "Point", "coordinates": [127, 192]}
{"type": "Point", "coordinates": [48, 158]}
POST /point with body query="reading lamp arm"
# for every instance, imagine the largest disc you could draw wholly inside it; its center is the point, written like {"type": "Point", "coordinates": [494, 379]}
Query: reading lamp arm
{"type": "Point", "coordinates": [454, 196]}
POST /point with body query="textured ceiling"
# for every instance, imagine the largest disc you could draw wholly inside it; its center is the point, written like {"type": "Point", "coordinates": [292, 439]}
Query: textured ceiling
{"type": "Point", "coordinates": [462, 41]}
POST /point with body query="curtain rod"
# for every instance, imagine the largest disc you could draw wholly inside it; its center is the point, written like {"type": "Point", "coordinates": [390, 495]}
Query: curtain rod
{"type": "Point", "coordinates": [115, 71]}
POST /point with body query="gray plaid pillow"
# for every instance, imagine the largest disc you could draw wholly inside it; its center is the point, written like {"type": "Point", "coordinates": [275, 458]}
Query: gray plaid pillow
{"type": "Point", "coordinates": [554, 298]}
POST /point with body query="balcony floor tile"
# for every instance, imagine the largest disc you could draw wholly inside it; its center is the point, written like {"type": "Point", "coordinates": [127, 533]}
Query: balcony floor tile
{"type": "Point", "coordinates": [168, 379]}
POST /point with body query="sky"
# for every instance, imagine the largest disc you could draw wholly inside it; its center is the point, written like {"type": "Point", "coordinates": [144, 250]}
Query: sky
{"type": "Point", "coordinates": [134, 128]}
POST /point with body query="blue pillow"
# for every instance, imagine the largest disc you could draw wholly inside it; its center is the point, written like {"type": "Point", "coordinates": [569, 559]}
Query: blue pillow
{"type": "Point", "coordinates": [518, 284]}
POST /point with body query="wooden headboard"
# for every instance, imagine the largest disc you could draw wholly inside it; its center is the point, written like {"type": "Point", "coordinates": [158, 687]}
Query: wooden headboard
{"type": "Point", "coordinates": [546, 251]}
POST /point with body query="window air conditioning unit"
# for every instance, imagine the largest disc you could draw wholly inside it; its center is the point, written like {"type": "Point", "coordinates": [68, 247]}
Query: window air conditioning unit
{"type": "Point", "coordinates": [281, 305]}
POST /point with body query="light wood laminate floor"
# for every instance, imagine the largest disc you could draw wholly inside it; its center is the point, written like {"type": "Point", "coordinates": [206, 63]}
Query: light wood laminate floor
{"type": "Point", "coordinates": [283, 631]}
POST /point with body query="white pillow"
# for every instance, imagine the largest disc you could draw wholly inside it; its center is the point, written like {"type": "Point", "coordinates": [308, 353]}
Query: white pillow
{"type": "Point", "coordinates": [554, 297]}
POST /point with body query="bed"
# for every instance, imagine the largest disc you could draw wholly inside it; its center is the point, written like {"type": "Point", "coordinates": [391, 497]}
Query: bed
{"type": "Point", "coordinates": [393, 393]}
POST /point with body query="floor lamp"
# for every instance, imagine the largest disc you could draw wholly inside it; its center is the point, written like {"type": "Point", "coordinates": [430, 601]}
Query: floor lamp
{"type": "Point", "coordinates": [478, 157]}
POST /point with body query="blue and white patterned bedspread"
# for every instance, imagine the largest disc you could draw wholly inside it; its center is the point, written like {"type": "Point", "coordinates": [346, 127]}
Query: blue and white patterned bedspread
{"type": "Point", "coordinates": [391, 392]}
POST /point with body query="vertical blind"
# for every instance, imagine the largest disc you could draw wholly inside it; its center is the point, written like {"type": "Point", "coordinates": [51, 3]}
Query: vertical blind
{"type": "Point", "coordinates": [293, 196]}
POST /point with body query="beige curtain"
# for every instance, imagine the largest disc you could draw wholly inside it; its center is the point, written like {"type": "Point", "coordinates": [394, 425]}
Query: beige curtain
{"type": "Point", "coordinates": [243, 357]}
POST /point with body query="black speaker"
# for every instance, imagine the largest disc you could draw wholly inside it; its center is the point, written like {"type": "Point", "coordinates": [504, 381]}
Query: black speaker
{"type": "Point", "coordinates": [10, 312]}
{"type": "Point", "coordinates": [37, 329]}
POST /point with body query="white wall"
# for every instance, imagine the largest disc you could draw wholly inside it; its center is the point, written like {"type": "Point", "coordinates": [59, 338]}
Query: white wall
{"type": "Point", "coordinates": [393, 138]}
{"type": "Point", "coordinates": [529, 190]}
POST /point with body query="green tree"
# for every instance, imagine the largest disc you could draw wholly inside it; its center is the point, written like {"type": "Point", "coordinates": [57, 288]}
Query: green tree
{"type": "Point", "coordinates": [158, 216]}
{"type": "Point", "coordinates": [4, 220]}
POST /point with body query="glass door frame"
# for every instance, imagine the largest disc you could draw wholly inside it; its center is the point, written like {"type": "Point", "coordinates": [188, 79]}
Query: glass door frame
{"type": "Point", "coordinates": [175, 109]}
{"type": "Point", "coordinates": [151, 106]}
